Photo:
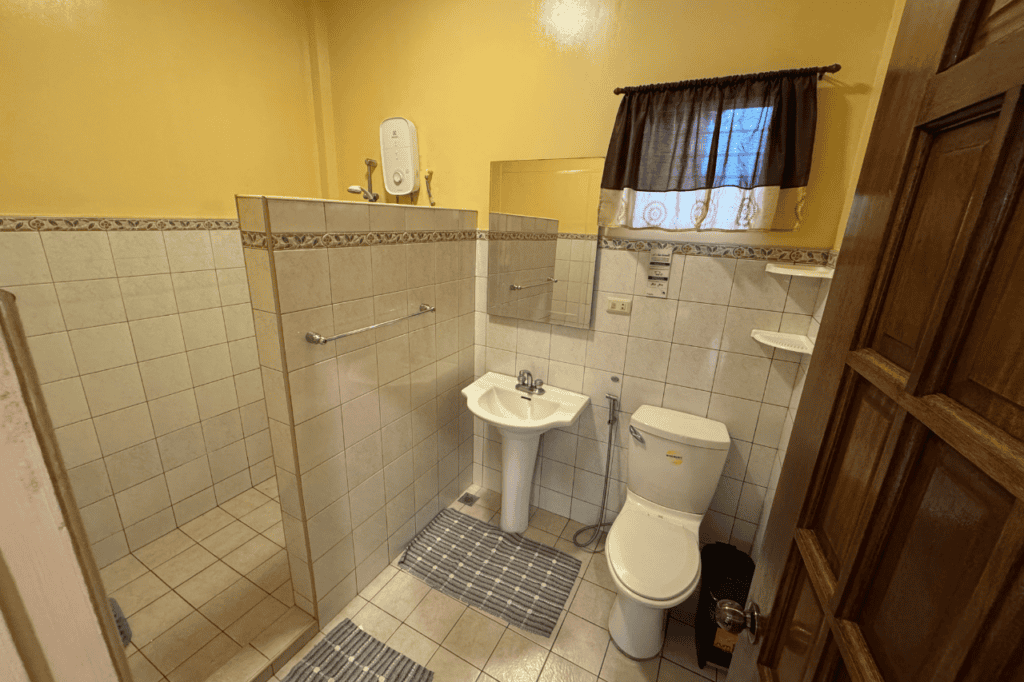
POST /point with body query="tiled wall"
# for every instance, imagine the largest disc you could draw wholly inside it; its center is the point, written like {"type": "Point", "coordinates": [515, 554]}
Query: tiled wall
{"type": "Point", "coordinates": [371, 436]}
{"type": "Point", "coordinates": [787, 426]}
{"type": "Point", "coordinates": [690, 352]}
{"type": "Point", "coordinates": [142, 335]}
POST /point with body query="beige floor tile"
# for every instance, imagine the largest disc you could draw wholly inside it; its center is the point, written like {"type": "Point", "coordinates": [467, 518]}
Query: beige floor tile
{"type": "Point", "coordinates": [300, 654]}
{"type": "Point", "coordinates": [479, 512]}
{"type": "Point", "coordinates": [412, 644]}
{"type": "Point", "coordinates": [447, 667]}
{"type": "Point", "coordinates": [241, 505]}
{"type": "Point", "coordinates": [549, 522]}
{"type": "Point", "coordinates": [233, 603]}
{"type": "Point", "coordinates": [272, 573]}
{"type": "Point", "coordinates": [242, 667]}
{"type": "Point", "coordinates": [680, 648]}
{"type": "Point", "coordinates": [206, 661]}
{"type": "Point", "coordinates": [268, 487]}
{"type": "Point", "coordinates": [581, 642]}
{"type": "Point", "coordinates": [350, 611]}
{"type": "Point", "coordinates": [585, 556]}
{"type": "Point", "coordinates": [139, 593]}
{"type": "Point", "coordinates": [382, 579]}
{"type": "Point", "coordinates": [557, 669]}
{"type": "Point", "coordinates": [599, 574]}
{"type": "Point", "coordinates": [258, 619]}
{"type": "Point", "coordinates": [671, 672]}
{"type": "Point", "coordinates": [121, 572]}
{"type": "Point", "coordinates": [540, 536]}
{"type": "Point", "coordinates": [516, 659]}
{"type": "Point", "coordinates": [263, 517]}
{"type": "Point", "coordinates": [570, 529]}
{"type": "Point", "coordinates": [592, 602]}
{"type": "Point", "coordinates": [207, 584]}
{"type": "Point", "coordinates": [376, 622]}
{"type": "Point", "coordinates": [164, 548]}
{"type": "Point", "coordinates": [284, 594]}
{"type": "Point", "coordinates": [401, 595]}
{"type": "Point", "coordinates": [207, 524]}
{"type": "Point", "coordinates": [473, 638]}
{"type": "Point", "coordinates": [252, 554]}
{"type": "Point", "coordinates": [489, 499]}
{"type": "Point", "coordinates": [618, 668]}
{"type": "Point", "coordinates": [180, 568]}
{"type": "Point", "coordinates": [143, 670]}
{"type": "Point", "coordinates": [155, 619]}
{"type": "Point", "coordinates": [436, 615]}
{"type": "Point", "coordinates": [287, 635]}
{"type": "Point", "coordinates": [179, 642]}
{"type": "Point", "coordinates": [275, 534]}
{"type": "Point", "coordinates": [228, 539]}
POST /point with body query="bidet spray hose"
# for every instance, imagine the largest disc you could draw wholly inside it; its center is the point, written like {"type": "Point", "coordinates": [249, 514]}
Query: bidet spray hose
{"type": "Point", "coordinates": [613, 418]}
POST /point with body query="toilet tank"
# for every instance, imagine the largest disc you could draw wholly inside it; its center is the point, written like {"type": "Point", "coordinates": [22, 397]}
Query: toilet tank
{"type": "Point", "coordinates": [680, 460]}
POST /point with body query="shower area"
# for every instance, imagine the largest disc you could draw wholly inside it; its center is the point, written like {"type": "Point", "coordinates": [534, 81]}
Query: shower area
{"type": "Point", "coordinates": [237, 485]}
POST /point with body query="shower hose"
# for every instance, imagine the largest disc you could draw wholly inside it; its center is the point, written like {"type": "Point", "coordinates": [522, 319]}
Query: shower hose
{"type": "Point", "coordinates": [597, 530]}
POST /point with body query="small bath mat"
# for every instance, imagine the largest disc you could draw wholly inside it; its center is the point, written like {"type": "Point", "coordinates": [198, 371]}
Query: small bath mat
{"type": "Point", "coordinates": [123, 628]}
{"type": "Point", "coordinates": [518, 580]}
{"type": "Point", "coordinates": [348, 654]}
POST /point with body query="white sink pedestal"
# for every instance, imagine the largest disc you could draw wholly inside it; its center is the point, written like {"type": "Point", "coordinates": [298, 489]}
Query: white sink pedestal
{"type": "Point", "coordinates": [521, 417]}
{"type": "Point", "coordinates": [518, 457]}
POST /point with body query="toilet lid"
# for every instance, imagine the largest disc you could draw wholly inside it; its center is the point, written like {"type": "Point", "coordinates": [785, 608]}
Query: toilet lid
{"type": "Point", "coordinates": [655, 559]}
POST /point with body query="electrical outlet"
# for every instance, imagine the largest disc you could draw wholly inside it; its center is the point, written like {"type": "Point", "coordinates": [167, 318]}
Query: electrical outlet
{"type": "Point", "coordinates": [622, 306]}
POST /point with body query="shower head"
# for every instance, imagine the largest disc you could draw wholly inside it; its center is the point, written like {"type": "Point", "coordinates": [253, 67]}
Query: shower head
{"type": "Point", "coordinates": [356, 189]}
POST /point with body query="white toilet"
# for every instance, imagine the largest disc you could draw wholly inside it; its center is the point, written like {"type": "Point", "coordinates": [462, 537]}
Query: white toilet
{"type": "Point", "coordinates": [675, 461]}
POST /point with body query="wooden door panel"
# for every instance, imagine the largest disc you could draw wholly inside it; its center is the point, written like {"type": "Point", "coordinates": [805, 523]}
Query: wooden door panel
{"type": "Point", "coordinates": [939, 196]}
{"type": "Point", "coordinates": [988, 376]}
{"type": "Point", "coordinates": [998, 19]}
{"type": "Point", "coordinates": [803, 626]}
{"type": "Point", "coordinates": [866, 427]}
{"type": "Point", "coordinates": [999, 652]}
{"type": "Point", "coordinates": [945, 528]}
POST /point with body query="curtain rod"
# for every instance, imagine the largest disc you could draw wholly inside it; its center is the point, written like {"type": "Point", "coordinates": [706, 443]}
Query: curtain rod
{"type": "Point", "coordinates": [678, 85]}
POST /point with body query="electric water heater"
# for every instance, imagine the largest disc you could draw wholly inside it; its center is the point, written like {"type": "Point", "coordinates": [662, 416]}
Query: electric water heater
{"type": "Point", "coordinates": [399, 154]}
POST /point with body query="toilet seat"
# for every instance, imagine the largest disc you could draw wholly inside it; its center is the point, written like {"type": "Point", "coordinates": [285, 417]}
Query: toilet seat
{"type": "Point", "coordinates": [654, 557]}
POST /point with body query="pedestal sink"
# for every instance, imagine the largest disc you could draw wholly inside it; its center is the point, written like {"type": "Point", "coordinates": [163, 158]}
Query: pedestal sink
{"type": "Point", "coordinates": [521, 418]}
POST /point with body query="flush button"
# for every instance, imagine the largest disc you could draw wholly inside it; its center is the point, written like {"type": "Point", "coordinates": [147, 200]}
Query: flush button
{"type": "Point", "coordinates": [397, 177]}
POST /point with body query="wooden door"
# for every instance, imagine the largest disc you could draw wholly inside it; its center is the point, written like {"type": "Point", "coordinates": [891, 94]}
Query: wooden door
{"type": "Point", "coordinates": [895, 550]}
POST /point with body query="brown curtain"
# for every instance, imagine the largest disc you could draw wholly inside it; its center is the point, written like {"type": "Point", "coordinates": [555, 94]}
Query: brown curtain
{"type": "Point", "coordinates": [672, 146]}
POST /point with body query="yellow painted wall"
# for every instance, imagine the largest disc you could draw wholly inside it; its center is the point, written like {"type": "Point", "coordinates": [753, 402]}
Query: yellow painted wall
{"type": "Point", "coordinates": [153, 107]}
{"type": "Point", "coordinates": [566, 190]}
{"type": "Point", "coordinates": [487, 81]}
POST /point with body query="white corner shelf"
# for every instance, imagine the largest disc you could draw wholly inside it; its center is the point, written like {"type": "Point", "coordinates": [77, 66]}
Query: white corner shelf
{"type": "Point", "coordinates": [818, 271]}
{"type": "Point", "coordinates": [795, 343]}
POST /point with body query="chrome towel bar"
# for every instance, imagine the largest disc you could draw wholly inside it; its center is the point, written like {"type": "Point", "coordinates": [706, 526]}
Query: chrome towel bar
{"type": "Point", "coordinates": [313, 337]}
{"type": "Point", "coordinates": [517, 287]}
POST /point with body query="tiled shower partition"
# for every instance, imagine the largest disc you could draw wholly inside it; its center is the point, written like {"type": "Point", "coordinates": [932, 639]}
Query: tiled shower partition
{"type": "Point", "coordinates": [371, 436]}
{"type": "Point", "coordinates": [142, 334]}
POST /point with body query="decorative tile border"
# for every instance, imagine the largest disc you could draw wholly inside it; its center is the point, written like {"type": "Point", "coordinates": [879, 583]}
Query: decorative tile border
{"type": "Point", "coordinates": [51, 224]}
{"type": "Point", "coordinates": [775, 254]}
{"type": "Point", "coordinates": [293, 241]}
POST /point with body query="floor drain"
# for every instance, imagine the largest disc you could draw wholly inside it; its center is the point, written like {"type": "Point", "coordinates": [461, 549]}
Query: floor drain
{"type": "Point", "coordinates": [469, 499]}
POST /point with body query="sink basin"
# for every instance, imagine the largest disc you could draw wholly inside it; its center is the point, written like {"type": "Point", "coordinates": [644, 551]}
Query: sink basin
{"type": "Point", "coordinates": [521, 418]}
{"type": "Point", "coordinates": [494, 398]}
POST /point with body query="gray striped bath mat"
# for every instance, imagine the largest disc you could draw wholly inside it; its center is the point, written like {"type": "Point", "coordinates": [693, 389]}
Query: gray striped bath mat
{"type": "Point", "coordinates": [347, 654]}
{"type": "Point", "coordinates": [518, 580]}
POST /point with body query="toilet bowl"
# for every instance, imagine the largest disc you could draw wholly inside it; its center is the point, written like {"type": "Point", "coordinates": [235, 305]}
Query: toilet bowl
{"type": "Point", "coordinates": [652, 550]}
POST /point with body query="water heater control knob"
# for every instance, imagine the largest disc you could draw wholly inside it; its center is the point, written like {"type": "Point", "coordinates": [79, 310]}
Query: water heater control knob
{"type": "Point", "coordinates": [398, 177]}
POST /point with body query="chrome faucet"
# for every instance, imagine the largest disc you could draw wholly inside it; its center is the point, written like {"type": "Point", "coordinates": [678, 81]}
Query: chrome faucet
{"type": "Point", "coordinates": [527, 384]}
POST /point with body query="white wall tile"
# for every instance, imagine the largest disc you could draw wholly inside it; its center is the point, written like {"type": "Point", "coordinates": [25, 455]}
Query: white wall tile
{"type": "Point", "coordinates": [138, 253]}
{"type": "Point", "coordinates": [113, 389]}
{"type": "Point", "coordinates": [189, 250]}
{"type": "Point", "coordinates": [78, 255]}
{"type": "Point", "coordinates": [38, 306]}
{"type": "Point", "coordinates": [90, 303]}
{"type": "Point", "coordinates": [52, 357]}
{"type": "Point", "coordinates": [22, 259]}
{"type": "Point", "coordinates": [157, 337]}
{"type": "Point", "coordinates": [148, 296]}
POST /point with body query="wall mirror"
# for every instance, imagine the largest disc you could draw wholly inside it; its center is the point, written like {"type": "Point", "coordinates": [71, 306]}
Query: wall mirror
{"type": "Point", "coordinates": [542, 239]}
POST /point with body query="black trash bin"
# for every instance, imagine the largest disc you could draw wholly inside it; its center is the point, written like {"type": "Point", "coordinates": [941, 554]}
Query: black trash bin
{"type": "Point", "coordinates": [726, 573]}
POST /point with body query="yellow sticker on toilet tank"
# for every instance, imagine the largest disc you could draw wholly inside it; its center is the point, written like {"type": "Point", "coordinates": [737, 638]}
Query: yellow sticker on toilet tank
{"type": "Point", "coordinates": [676, 459]}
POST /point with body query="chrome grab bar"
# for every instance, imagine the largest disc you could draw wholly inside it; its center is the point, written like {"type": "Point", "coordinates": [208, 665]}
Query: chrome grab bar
{"type": "Point", "coordinates": [313, 337]}
{"type": "Point", "coordinates": [517, 287]}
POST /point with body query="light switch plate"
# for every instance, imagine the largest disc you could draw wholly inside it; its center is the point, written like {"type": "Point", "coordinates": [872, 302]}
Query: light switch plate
{"type": "Point", "coordinates": [621, 306]}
